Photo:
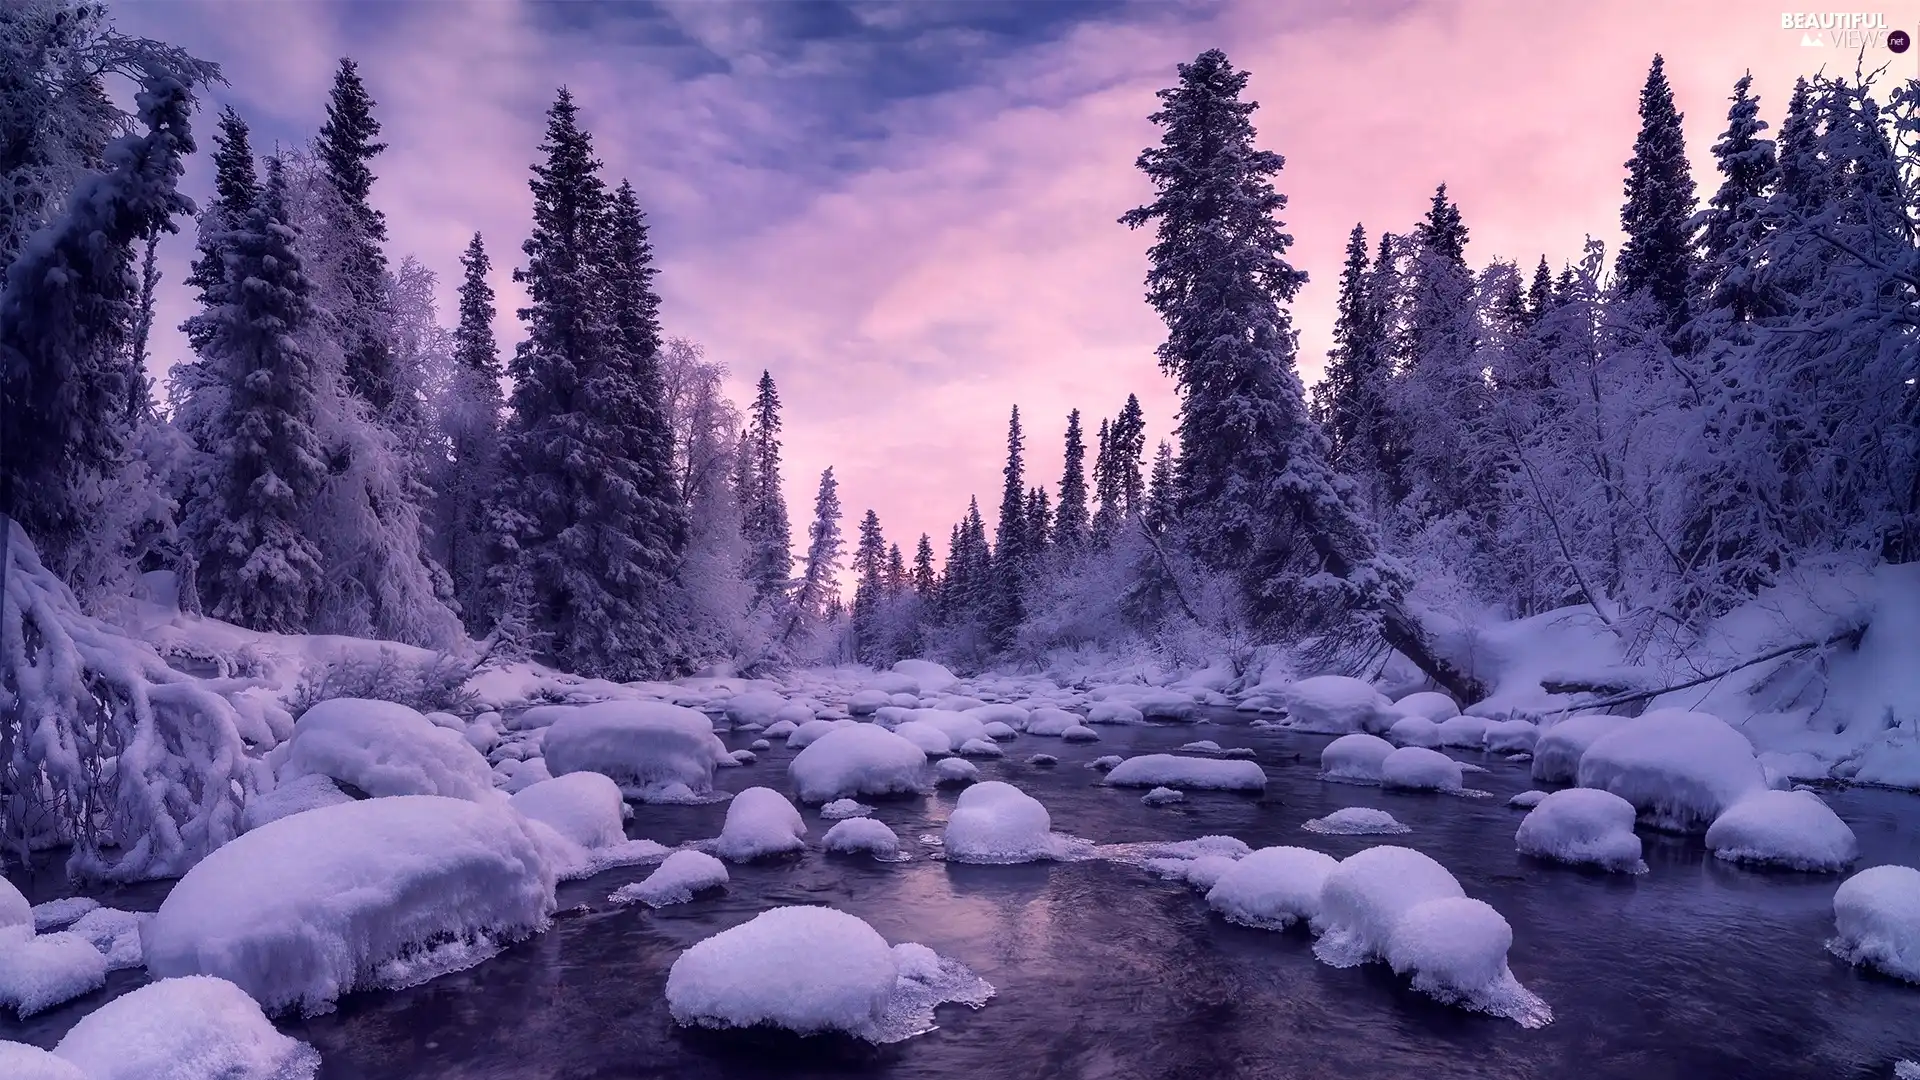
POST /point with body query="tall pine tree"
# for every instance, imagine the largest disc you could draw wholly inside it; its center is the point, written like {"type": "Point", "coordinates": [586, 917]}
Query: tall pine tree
{"type": "Point", "coordinates": [1658, 255]}
{"type": "Point", "coordinates": [816, 599]}
{"type": "Point", "coordinates": [763, 505]}
{"type": "Point", "coordinates": [1127, 447]}
{"type": "Point", "coordinates": [346, 148]}
{"type": "Point", "coordinates": [1010, 551]}
{"type": "Point", "coordinates": [1070, 519]}
{"type": "Point", "coordinates": [473, 422]}
{"type": "Point", "coordinates": [869, 590]}
{"type": "Point", "coordinates": [925, 583]}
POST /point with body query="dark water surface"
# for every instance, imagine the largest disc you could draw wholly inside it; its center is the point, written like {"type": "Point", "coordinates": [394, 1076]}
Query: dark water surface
{"type": "Point", "coordinates": [1698, 970]}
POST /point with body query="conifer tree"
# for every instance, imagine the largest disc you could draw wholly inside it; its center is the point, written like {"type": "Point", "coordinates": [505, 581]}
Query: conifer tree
{"type": "Point", "coordinates": [925, 583]}
{"type": "Point", "coordinates": [1161, 497]}
{"type": "Point", "coordinates": [473, 424]}
{"type": "Point", "coordinates": [1010, 550]}
{"type": "Point", "coordinates": [1070, 519]}
{"type": "Point", "coordinates": [1539, 292]}
{"type": "Point", "coordinates": [1351, 396]}
{"type": "Point", "coordinates": [1039, 516]}
{"type": "Point", "coordinates": [1106, 489]}
{"type": "Point", "coordinates": [763, 506]}
{"type": "Point", "coordinates": [235, 185]}
{"type": "Point", "coordinates": [818, 593]}
{"type": "Point", "coordinates": [897, 582]}
{"type": "Point", "coordinates": [346, 148]}
{"type": "Point", "coordinates": [1734, 223]}
{"type": "Point", "coordinates": [1658, 255]}
{"type": "Point", "coordinates": [1127, 445]}
{"type": "Point", "coordinates": [1441, 400]}
{"type": "Point", "coordinates": [869, 590]}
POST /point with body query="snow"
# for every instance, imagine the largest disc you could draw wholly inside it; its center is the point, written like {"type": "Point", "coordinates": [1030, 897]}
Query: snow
{"type": "Point", "coordinates": [1511, 736]}
{"type": "Point", "coordinates": [1356, 821]}
{"type": "Point", "coordinates": [811, 970]}
{"type": "Point", "coordinates": [995, 822]}
{"type": "Point", "coordinates": [760, 746]}
{"type": "Point", "coordinates": [1906, 1070]}
{"type": "Point", "coordinates": [1114, 712]}
{"type": "Point", "coordinates": [1415, 731]}
{"type": "Point", "coordinates": [1202, 873]}
{"type": "Point", "coordinates": [780, 729]}
{"type": "Point", "coordinates": [867, 702]}
{"type": "Point", "coordinates": [1355, 757]}
{"type": "Point", "coordinates": [1366, 895]}
{"type": "Point", "coordinates": [760, 822]}
{"type": "Point", "coordinates": [1558, 749]}
{"type": "Point", "coordinates": [1335, 705]}
{"type": "Point", "coordinates": [985, 748]}
{"type": "Point", "coordinates": [957, 727]}
{"type": "Point", "coordinates": [953, 770]}
{"type": "Point", "coordinates": [812, 731]}
{"type": "Point", "coordinates": [1011, 717]}
{"type": "Point", "coordinates": [1680, 770]}
{"type": "Point", "coordinates": [1080, 733]}
{"type": "Point", "coordinates": [307, 908]}
{"type": "Point", "coordinates": [1051, 722]}
{"type": "Point", "coordinates": [675, 881]}
{"type": "Point", "coordinates": [999, 731]}
{"type": "Point", "coordinates": [14, 909]}
{"type": "Point", "coordinates": [1204, 746]}
{"type": "Point", "coordinates": [856, 835]}
{"type": "Point", "coordinates": [1170, 770]}
{"type": "Point", "coordinates": [860, 759]}
{"type": "Point", "coordinates": [757, 707]}
{"type": "Point", "coordinates": [1791, 829]}
{"type": "Point", "coordinates": [1163, 796]}
{"type": "Point", "coordinates": [1416, 768]}
{"type": "Point", "coordinates": [1464, 732]}
{"type": "Point", "coordinates": [39, 972]}
{"type": "Point", "coordinates": [1106, 762]}
{"type": "Point", "coordinates": [1582, 826]}
{"type": "Point", "coordinates": [115, 933]}
{"type": "Point", "coordinates": [52, 915]}
{"type": "Point", "coordinates": [1043, 761]}
{"type": "Point", "coordinates": [844, 808]}
{"type": "Point", "coordinates": [584, 807]}
{"type": "Point", "coordinates": [18, 1061]}
{"type": "Point", "coordinates": [1876, 913]}
{"type": "Point", "coordinates": [641, 745]}
{"type": "Point", "coordinates": [1456, 951]}
{"type": "Point", "coordinates": [1273, 887]}
{"type": "Point", "coordinates": [191, 1028]}
{"type": "Point", "coordinates": [1527, 800]}
{"type": "Point", "coordinates": [1427, 704]}
{"type": "Point", "coordinates": [928, 677]}
{"type": "Point", "coordinates": [382, 748]}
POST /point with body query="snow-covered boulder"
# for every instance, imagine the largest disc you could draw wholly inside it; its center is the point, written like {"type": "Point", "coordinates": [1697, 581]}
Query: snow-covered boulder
{"type": "Point", "coordinates": [844, 808]}
{"type": "Point", "coordinates": [1792, 829]}
{"type": "Point", "coordinates": [1113, 712]}
{"type": "Point", "coordinates": [1680, 770]}
{"type": "Point", "coordinates": [929, 739]}
{"type": "Point", "coordinates": [999, 732]}
{"type": "Point", "coordinates": [928, 677]}
{"type": "Point", "coordinates": [1416, 768]}
{"type": "Point", "coordinates": [1558, 749]}
{"type": "Point", "coordinates": [813, 730]}
{"type": "Point", "coordinates": [867, 702]}
{"type": "Point", "coordinates": [38, 972]}
{"type": "Point", "coordinates": [1272, 888]}
{"type": "Point", "coordinates": [1051, 722]}
{"type": "Point", "coordinates": [1163, 796]}
{"type": "Point", "coordinates": [1876, 914]}
{"type": "Point", "coordinates": [191, 1028]}
{"type": "Point", "coordinates": [52, 914]}
{"type": "Point", "coordinates": [860, 759]}
{"type": "Point", "coordinates": [756, 707]}
{"type": "Point", "coordinates": [1414, 731]}
{"type": "Point", "coordinates": [1080, 733]}
{"type": "Point", "coordinates": [584, 807]}
{"type": "Point", "coordinates": [1463, 732]}
{"type": "Point", "coordinates": [800, 712]}
{"type": "Point", "coordinates": [1160, 704]}
{"type": "Point", "coordinates": [115, 933]}
{"type": "Point", "coordinates": [1527, 800]}
{"type": "Point", "coordinates": [18, 1061]}
{"type": "Point", "coordinates": [1356, 821]}
{"type": "Point", "coordinates": [779, 729]}
{"type": "Point", "coordinates": [1105, 762]}
{"type": "Point", "coordinates": [14, 909]}
{"type": "Point", "coordinates": [1355, 757]}
{"type": "Point", "coordinates": [980, 748]}
{"type": "Point", "coordinates": [995, 822]}
{"type": "Point", "coordinates": [639, 744]}
{"type": "Point", "coordinates": [383, 892]}
{"type": "Point", "coordinates": [760, 822]}
{"type": "Point", "coordinates": [1336, 705]}
{"type": "Point", "coordinates": [1429, 705]}
{"type": "Point", "coordinates": [1582, 826]}
{"type": "Point", "coordinates": [382, 748]}
{"type": "Point", "coordinates": [1511, 736]}
{"type": "Point", "coordinates": [1187, 773]}
{"type": "Point", "coordinates": [948, 772]}
{"type": "Point", "coordinates": [957, 727]}
{"type": "Point", "coordinates": [860, 835]}
{"type": "Point", "coordinates": [683, 875]}
{"type": "Point", "coordinates": [1365, 896]}
{"type": "Point", "coordinates": [1008, 715]}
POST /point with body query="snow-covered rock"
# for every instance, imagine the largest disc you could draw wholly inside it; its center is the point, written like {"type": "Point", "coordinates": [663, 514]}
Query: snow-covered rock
{"type": "Point", "coordinates": [383, 892]}
{"type": "Point", "coordinates": [1582, 826]}
{"type": "Point", "coordinates": [859, 759]}
{"type": "Point", "coordinates": [1876, 914]}
{"type": "Point", "coordinates": [951, 771]}
{"type": "Point", "coordinates": [14, 909]}
{"type": "Point", "coordinates": [291, 796]}
{"type": "Point", "coordinates": [1429, 705]}
{"type": "Point", "coordinates": [382, 748]}
{"type": "Point", "coordinates": [40, 971]}
{"type": "Point", "coordinates": [51, 915]}
{"type": "Point", "coordinates": [1558, 749]}
{"type": "Point", "coordinates": [1043, 761]}
{"type": "Point", "coordinates": [1356, 821]}
{"type": "Point", "coordinates": [863, 835]}
{"type": "Point", "coordinates": [1355, 757]}
{"type": "Point", "coordinates": [1414, 731]}
{"type": "Point", "coordinates": [928, 677]}
{"type": "Point", "coordinates": [1463, 732]}
{"type": "Point", "coordinates": [779, 729]}
{"type": "Point", "coordinates": [1163, 796]}
{"type": "Point", "coordinates": [1365, 896]}
{"type": "Point", "coordinates": [191, 1028]}
{"type": "Point", "coordinates": [18, 1061]}
{"type": "Point", "coordinates": [1272, 888]}
{"type": "Point", "coordinates": [639, 744]}
{"type": "Point", "coordinates": [760, 707]}
{"type": "Point", "coordinates": [813, 731]}
{"type": "Point", "coordinates": [584, 807]}
{"type": "Point", "coordinates": [1680, 770]}
{"type": "Point", "coordinates": [995, 822]}
{"type": "Point", "coordinates": [1105, 762]}
{"type": "Point", "coordinates": [998, 731]}
{"type": "Point", "coordinates": [1792, 829]}
{"type": "Point", "coordinates": [115, 933]}
{"type": "Point", "coordinates": [683, 875]}
{"type": "Point", "coordinates": [844, 808]}
{"type": "Point", "coordinates": [1187, 773]}
{"type": "Point", "coordinates": [930, 739]}
{"type": "Point", "coordinates": [760, 822]}
{"type": "Point", "coordinates": [867, 702]}
{"type": "Point", "coordinates": [1527, 800]}
{"type": "Point", "coordinates": [1511, 736]}
{"type": "Point", "coordinates": [1008, 715]}
{"type": "Point", "coordinates": [1113, 712]}
{"type": "Point", "coordinates": [1416, 768]}
{"type": "Point", "coordinates": [982, 748]}
{"type": "Point", "coordinates": [957, 727]}
{"type": "Point", "coordinates": [1080, 733]}
{"type": "Point", "coordinates": [1202, 746]}
{"type": "Point", "coordinates": [1336, 705]}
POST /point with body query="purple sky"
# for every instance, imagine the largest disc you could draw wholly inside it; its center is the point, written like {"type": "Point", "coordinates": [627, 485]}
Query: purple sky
{"type": "Point", "coordinates": [907, 211]}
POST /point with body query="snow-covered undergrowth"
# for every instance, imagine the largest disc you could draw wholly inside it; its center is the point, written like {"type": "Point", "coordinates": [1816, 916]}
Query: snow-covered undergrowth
{"type": "Point", "coordinates": [642, 745]}
{"type": "Point", "coordinates": [1582, 826]}
{"type": "Point", "coordinates": [384, 892]}
{"type": "Point", "coordinates": [862, 759]}
{"type": "Point", "coordinates": [1876, 917]}
{"type": "Point", "coordinates": [814, 969]}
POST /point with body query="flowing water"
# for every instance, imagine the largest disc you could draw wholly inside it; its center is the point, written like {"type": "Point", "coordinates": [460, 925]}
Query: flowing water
{"type": "Point", "coordinates": [1698, 970]}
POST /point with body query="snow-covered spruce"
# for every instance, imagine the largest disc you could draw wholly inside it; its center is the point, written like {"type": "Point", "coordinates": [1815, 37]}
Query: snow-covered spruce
{"type": "Point", "coordinates": [1876, 916]}
{"type": "Point", "coordinates": [1557, 751]}
{"type": "Point", "coordinates": [641, 745]}
{"type": "Point", "coordinates": [856, 836]}
{"type": "Point", "coordinates": [40, 971]}
{"type": "Point", "coordinates": [385, 892]}
{"type": "Point", "coordinates": [1356, 821]}
{"type": "Point", "coordinates": [683, 875]}
{"type": "Point", "coordinates": [1680, 770]}
{"type": "Point", "coordinates": [1336, 705]}
{"type": "Point", "coordinates": [187, 1028]}
{"type": "Point", "coordinates": [1795, 830]}
{"type": "Point", "coordinates": [995, 822]}
{"type": "Point", "coordinates": [1582, 826]}
{"type": "Point", "coordinates": [1416, 768]}
{"type": "Point", "coordinates": [1163, 796]}
{"type": "Point", "coordinates": [1187, 773]}
{"type": "Point", "coordinates": [862, 759]}
{"type": "Point", "coordinates": [760, 823]}
{"type": "Point", "coordinates": [812, 970]}
{"type": "Point", "coordinates": [1271, 888]}
{"type": "Point", "coordinates": [1355, 757]}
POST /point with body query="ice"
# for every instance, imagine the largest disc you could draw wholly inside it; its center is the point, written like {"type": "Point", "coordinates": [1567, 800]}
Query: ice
{"type": "Point", "coordinates": [1557, 751]}
{"type": "Point", "coordinates": [1080, 733]}
{"type": "Point", "coordinates": [867, 702]}
{"type": "Point", "coordinates": [1106, 762]}
{"type": "Point", "coordinates": [953, 770]}
{"type": "Point", "coordinates": [675, 881]}
{"type": "Point", "coordinates": [859, 759]}
{"type": "Point", "coordinates": [844, 808]}
{"type": "Point", "coordinates": [115, 933]}
{"type": "Point", "coordinates": [1463, 732]}
{"type": "Point", "coordinates": [930, 739]}
{"type": "Point", "coordinates": [1366, 895]}
{"type": "Point", "coordinates": [1163, 796]}
{"type": "Point", "coordinates": [1680, 770]}
{"type": "Point", "coordinates": [1455, 949]}
{"type": "Point", "coordinates": [1202, 873]}
{"type": "Point", "coordinates": [812, 970]}
{"type": "Point", "coordinates": [1906, 1070]}
{"type": "Point", "coordinates": [760, 822]}
{"type": "Point", "coordinates": [191, 1028]}
{"type": "Point", "coordinates": [995, 822]}
{"type": "Point", "coordinates": [1877, 915]}
{"type": "Point", "coordinates": [1415, 731]}
{"type": "Point", "coordinates": [1527, 800]}
{"type": "Point", "coordinates": [312, 906]}
{"type": "Point", "coordinates": [1273, 887]}
{"type": "Point", "coordinates": [639, 744]}
{"type": "Point", "coordinates": [1190, 773]}
{"type": "Point", "coordinates": [382, 748]}
{"type": "Point", "coordinates": [52, 915]}
{"type": "Point", "coordinates": [1511, 736]}
{"type": "Point", "coordinates": [18, 1061]}
{"type": "Point", "coordinates": [1051, 722]}
{"type": "Point", "coordinates": [1791, 829]}
{"type": "Point", "coordinates": [1416, 768]}
{"type": "Point", "coordinates": [1355, 757]}
{"type": "Point", "coordinates": [39, 972]}
{"type": "Point", "coordinates": [1336, 705]}
{"type": "Point", "coordinates": [1583, 826]}
{"type": "Point", "coordinates": [856, 835]}
{"type": "Point", "coordinates": [585, 808]}
{"type": "Point", "coordinates": [1356, 821]}
{"type": "Point", "coordinates": [757, 707]}
{"type": "Point", "coordinates": [999, 731]}
{"type": "Point", "coordinates": [1427, 704]}
{"type": "Point", "coordinates": [1043, 761]}
{"type": "Point", "coordinates": [14, 909]}
{"type": "Point", "coordinates": [1114, 712]}
{"type": "Point", "coordinates": [928, 677]}
{"type": "Point", "coordinates": [985, 748]}
{"type": "Point", "coordinates": [812, 731]}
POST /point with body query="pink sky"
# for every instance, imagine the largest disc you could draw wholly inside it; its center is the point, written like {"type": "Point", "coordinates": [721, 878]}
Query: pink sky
{"type": "Point", "coordinates": [972, 262]}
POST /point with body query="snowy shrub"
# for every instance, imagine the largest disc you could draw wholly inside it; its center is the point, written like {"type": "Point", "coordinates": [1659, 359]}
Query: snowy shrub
{"type": "Point", "coordinates": [189, 1028]}
{"type": "Point", "coordinates": [437, 683]}
{"type": "Point", "coordinates": [1796, 830]}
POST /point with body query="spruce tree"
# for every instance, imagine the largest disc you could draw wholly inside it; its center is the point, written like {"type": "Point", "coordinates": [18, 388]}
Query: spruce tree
{"type": "Point", "coordinates": [1350, 394]}
{"type": "Point", "coordinates": [982, 591]}
{"type": "Point", "coordinates": [1734, 223]}
{"type": "Point", "coordinates": [1658, 254]}
{"type": "Point", "coordinates": [346, 149]}
{"type": "Point", "coordinates": [1161, 497]}
{"type": "Point", "coordinates": [1039, 516]}
{"type": "Point", "coordinates": [925, 583]}
{"type": "Point", "coordinates": [235, 186]}
{"type": "Point", "coordinates": [1441, 402]}
{"type": "Point", "coordinates": [896, 580]}
{"type": "Point", "coordinates": [1070, 519]}
{"type": "Point", "coordinates": [869, 590]}
{"type": "Point", "coordinates": [954, 587]}
{"type": "Point", "coordinates": [763, 506]}
{"type": "Point", "coordinates": [1010, 551]}
{"type": "Point", "coordinates": [1539, 292]}
{"type": "Point", "coordinates": [818, 593]}
{"type": "Point", "coordinates": [1127, 446]}
{"type": "Point", "coordinates": [473, 441]}
{"type": "Point", "coordinates": [1106, 489]}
